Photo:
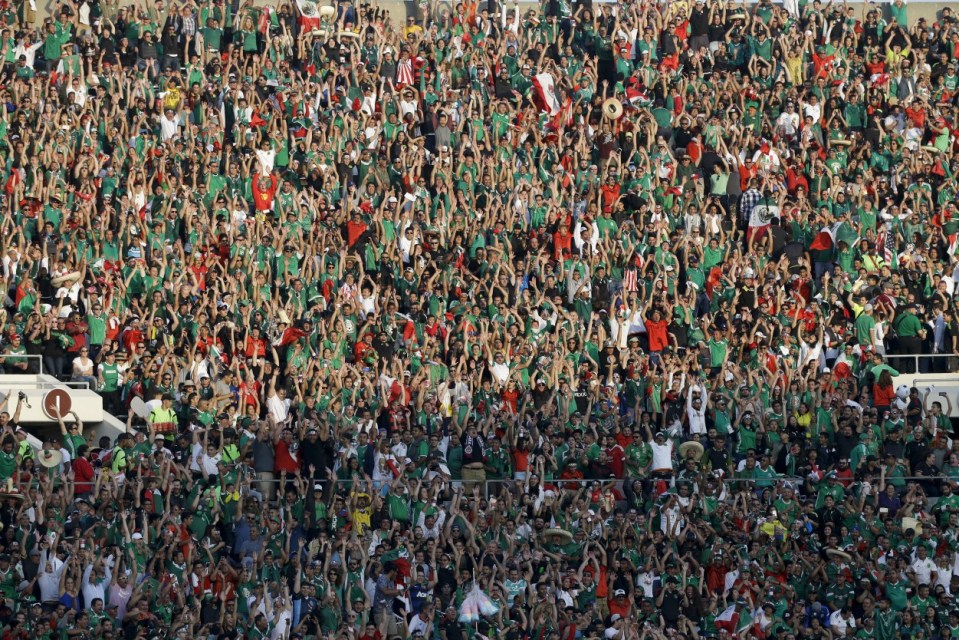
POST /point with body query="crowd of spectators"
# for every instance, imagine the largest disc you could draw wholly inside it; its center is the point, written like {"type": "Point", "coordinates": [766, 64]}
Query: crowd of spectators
{"type": "Point", "coordinates": [592, 312]}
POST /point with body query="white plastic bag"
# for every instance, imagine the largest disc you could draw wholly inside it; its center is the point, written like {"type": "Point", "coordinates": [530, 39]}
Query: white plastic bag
{"type": "Point", "coordinates": [477, 604]}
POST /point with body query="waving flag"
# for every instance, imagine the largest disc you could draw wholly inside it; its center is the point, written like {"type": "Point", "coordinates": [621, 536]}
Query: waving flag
{"type": "Point", "coordinates": [746, 621]}
{"type": "Point", "coordinates": [266, 18]}
{"type": "Point", "coordinates": [545, 94]}
{"type": "Point", "coordinates": [883, 247]}
{"type": "Point", "coordinates": [832, 235]}
{"type": "Point", "coordinates": [728, 619]}
{"type": "Point", "coordinates": [289, 336]}
{"type": "Point", "coordinates": [712, 280]}
{"type": "Point", "coordinates": [309, 14]}
{"type": "Point", "coordinates": [760, 219]}
{"type": "Point", "coordinates": [564, 117]}
{"type": "Point", "coordinates": [636, 96]}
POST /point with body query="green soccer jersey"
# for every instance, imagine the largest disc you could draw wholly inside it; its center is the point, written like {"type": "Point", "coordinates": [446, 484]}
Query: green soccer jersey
{"type": "Point", "coordinates": [111, 376]}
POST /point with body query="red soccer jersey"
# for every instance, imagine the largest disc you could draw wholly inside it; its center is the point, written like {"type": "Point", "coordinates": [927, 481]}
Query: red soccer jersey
{"type": "Point", "coordinates": [263, 198]}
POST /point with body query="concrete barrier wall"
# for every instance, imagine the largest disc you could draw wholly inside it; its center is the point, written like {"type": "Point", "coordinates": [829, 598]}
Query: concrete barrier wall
{"type": "Point", "coordinates": [935, 384]}
{"type": "Point", "coordinates": [86, 402]}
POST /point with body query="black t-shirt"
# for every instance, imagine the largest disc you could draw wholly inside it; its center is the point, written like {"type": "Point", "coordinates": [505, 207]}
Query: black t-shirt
{"type": "Point", "coordinates": [699, 23]}
{"type": "Point", "coordinates": [916, 452]}
{"type": "Point", "coordinates": [717, 32]}
{"type": "Point", "coordinates": [452, 628]}
{"type": "Point", "coordinates": [845, 444]}
{"type": "Point", "coordinates": [952, 336]}
{"type": "Point", "coordinates": [621, 581]}
{"type": "Point", "coordinates": [894, 447]}
{"type": "Point", "coordinates": [581, 396]}
{"type": "Point", "coordinates": [540, 396]}
{"type": "Point", "coordinates": [446, 575]}
{"type": "Point", "coordinates": [718, 458]}
{"type": "Point", "coordinates": [672, 601]}
{"type": "Point", "coordinates": [319, 454]}
{"type": "Point", "coordinates": [680, 331]}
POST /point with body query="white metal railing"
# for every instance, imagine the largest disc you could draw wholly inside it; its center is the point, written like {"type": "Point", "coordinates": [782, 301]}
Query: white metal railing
{"type": "Point", "coordinates": [28, 357]}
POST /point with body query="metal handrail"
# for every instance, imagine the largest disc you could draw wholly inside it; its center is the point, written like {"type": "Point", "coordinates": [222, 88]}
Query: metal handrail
{"type": "Point", "coordinates": [28, 357]}
{"type": "Point", "coordinates": [74, 384]}
{"type": "Point", "coordinates": [42, 385]}
{"type": "Point", "coordinates": [895, 359]}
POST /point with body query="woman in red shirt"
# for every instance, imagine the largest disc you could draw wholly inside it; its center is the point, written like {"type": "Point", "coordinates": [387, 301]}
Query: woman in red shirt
{"type": "Point", "coordinates": [562, 241]}
{"type": "Point", "coordinates": [82, 471]}
{"type": "Point", "coordinates": [883, 392]}
{"type": "Point", "coordinates": [255, 344]}
{"type": "Point", "coordinates": [510, 396]}
{"type": "Point", "coordinates": [656, 332]}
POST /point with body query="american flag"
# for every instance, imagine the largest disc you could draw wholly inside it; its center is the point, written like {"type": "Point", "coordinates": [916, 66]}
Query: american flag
{"type": "Point", "coordinates": [883, 247]}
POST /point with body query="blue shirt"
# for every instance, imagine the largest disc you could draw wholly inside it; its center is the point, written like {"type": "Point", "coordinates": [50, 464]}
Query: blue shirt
{"type": "Point", "coordinates": [419, 596]}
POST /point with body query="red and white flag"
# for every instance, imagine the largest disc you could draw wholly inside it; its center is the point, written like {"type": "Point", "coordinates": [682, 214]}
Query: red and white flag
{"type": "Point", "coordinates": [263, 23]}
{"type": "Point", "coordinates": [404, 73]}
{"type": "Point", "coordinates": [760, 219]}
{"type": "Point", "coordinates": [545, 95]}
{"type": "Point", "coordinates": [564, 117]}
{"type": "Point", "coordinates": [309, 14]}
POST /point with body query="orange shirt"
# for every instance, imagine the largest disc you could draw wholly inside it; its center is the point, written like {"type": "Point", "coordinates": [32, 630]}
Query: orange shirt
{"type": "Point", "coordinates": [520, 460]}
{"type": "Point", "coordinates": [882, 396]}
{"type": "Point", "coordinates": [620, 606]}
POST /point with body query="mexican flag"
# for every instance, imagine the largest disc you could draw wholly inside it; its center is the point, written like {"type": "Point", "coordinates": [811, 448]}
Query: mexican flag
{"type": "Point", "coordinates": [728, 619]}
{"type": "Point", "coordinates": [735, 621]}
{"type": "Point", "coordinates": [832, 235]}
{"type": "Point", "coordinates": [309, 14]}
{"type": "Point", "coordinates": [289, 336]}
{"type": "Point", "coordinates": [637, 97]}
{"type": "Point", "coordinates": [545, 94]}
{"type": "Point", "coordinates": [745, 623]}
{"type": "Point", "coordinates": [564, 117]}
{"type": "Point", "coordinates": [266, 19]}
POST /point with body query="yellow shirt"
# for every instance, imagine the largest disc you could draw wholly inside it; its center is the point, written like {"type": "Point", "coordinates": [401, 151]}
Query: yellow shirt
{"type": "Point", "coordinates": [795, 68]}
{"type": "Point", "coordinates": [362, 516]}
{"type": "Point", "coordinates": [894, 58]}
{"type": "Point", "coordinates": [411, 28]}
